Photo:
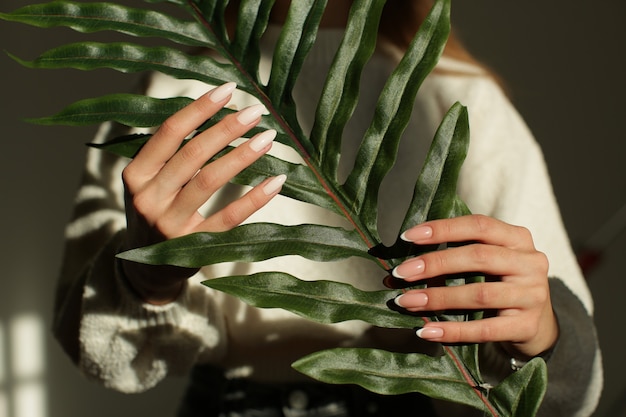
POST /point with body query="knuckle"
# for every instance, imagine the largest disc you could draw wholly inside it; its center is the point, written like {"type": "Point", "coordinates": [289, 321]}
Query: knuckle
{"type": "Point", "coordinates": [231, 217]}
{"type": "Point", "coordinates": [437, 262]}
{"type": "Point", "coordinates": [462, 333]}
{"type": "Point", "coordinates": [542, 263]}
{"type": "Point", "coordinates": [539, 296]}
{"type": "Point", "coordinates": [227, 128]}
{"type": "Point", "coordinates": [203, 108]}
{"type": "Point", "coordinates": [142, 203]}
{"type": "Point", "coordinates": [484, 296]}
{"type": "Point", "coordinates": [238, 158]}
{"type": "Point", "coordinates": [482, 255]}
{"type": "Point", "coordinates": [256, 200]}
{"type": "Point", "coordinates": [523, 233]}
{"type": "Point", "coordinates": [169, 127]}
{"type": "Point", "coordinates": [244, 155]}
{"type": "Point", "coordinates": [485, 333]}
{"type": "Point", "coordinates": [192, 151]}
{"type": "Point", "coordinates": [129, 175]}
{"type": "Point", "coordinates": [204, 181]}
{"type": "Point", "coordinates": [483, 223]}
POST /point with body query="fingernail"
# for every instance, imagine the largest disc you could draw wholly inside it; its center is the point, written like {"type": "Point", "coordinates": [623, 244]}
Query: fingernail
{"type": "Point", "coordinates": [222, 92]}
{"type": "Point", "coordinates": [410, 300]}
{"type": "Point", "coordinates": [409, 269]}
{"type": "Point", "coordinates": [429, 333]}
{"type": "Point", "coordinates": [275, 184]}
{"type": "Point", "coordinates": [260, 141]}
{"type": "Point", "coordinates": [250, 114]}
{"type": "Point", "coordinates": [417, 234]}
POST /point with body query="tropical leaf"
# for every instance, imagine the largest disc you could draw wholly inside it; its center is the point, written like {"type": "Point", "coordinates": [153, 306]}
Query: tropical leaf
{"type": "Point", "coordinates": [128, 109]}
{"type": "Point", "coordinates": [521, 393]}
{"type": "Point", "coordinates": [254, 242]}
{"type": "Point", "coordinates": [437, 377]}
{"type": "Point", "coordinates": [235, 56]}
{"type": "Point", "coordinates": [321, 301]}
{"type": "Point", "coordinates": [94, 17]}
{"type": "Point", "coordinates": [130, 58]}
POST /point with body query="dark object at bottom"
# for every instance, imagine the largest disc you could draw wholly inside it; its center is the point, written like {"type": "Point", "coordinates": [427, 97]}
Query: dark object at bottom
{"type": "Point", "coordinates": [210, 394]}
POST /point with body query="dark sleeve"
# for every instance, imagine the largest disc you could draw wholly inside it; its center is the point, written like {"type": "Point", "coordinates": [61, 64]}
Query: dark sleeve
{"type": "Point", "coordinates": [571, 363]}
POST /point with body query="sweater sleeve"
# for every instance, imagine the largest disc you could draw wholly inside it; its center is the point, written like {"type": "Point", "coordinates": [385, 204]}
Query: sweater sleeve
{"type": "Point", "coordinates": [574, 370]}
{"type": "Point", "coordinates": [115, 338]}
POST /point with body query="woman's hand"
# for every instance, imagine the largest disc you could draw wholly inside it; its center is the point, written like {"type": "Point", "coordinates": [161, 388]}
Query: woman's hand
{"type": "Point", "coordinates": [524, 323]}
{"type": "Point", "coordinates": [166, 185]}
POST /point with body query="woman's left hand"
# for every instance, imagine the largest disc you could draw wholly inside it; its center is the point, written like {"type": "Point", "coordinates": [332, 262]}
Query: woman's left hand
{"type": "Point", "coordinates": [524, 323]}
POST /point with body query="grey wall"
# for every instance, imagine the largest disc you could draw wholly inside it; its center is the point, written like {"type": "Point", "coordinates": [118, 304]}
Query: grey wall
{"type": "Point", "coordinates": [562, 62]}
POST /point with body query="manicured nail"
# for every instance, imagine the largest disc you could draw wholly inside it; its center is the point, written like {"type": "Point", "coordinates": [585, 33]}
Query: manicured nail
{"type": "Point", "coordinates": [222, 92]}
{"type": "Point", "coordinates": [250, 114]}
{"type": "Point", "coordinates": [275, 184]}
{"type": "Point", "coordinates": [411, 300]}
{"type": "Point", "coordinates": [417, 234]}
{"type": "Point", "coordinates": [409, 269]}
{"type": "Point", "coordinates": [260, 141]}
{"type": "Point", "coordinates": [429, 333]}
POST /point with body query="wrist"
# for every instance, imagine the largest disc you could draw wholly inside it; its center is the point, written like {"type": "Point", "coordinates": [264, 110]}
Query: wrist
{"type": "Point", "coordinates": [542, 346]}
{"type": "Point", "coordinates": [157, 285]}
{"type": "Point", "coordinates": [517, 364]}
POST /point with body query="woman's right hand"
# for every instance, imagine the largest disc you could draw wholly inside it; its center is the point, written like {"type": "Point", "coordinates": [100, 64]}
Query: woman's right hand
{"type": "Point", "coordinates": [165, 185]}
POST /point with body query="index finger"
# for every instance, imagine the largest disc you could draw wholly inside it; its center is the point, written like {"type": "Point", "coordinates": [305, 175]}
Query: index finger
{"type": "Point", "coordinates": [170, 135]}
{"type": "Point", "coordinates": [471, 228]}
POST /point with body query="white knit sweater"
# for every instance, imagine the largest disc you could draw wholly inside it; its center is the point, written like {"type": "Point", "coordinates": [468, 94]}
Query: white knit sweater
{"type": "Point", "coordinates": [130, 346]}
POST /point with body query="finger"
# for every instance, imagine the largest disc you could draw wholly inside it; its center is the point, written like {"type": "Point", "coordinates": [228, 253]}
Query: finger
{"type": "Point", "coordinates": [238, 211]}
{"type": "Point", "coordinates": [487, 259]}
{"type": "Point", "coordinates": [476, 296]}
{"type": "Point", "coordinates": [168, 138]}
{"type": "Point", "coordinates": [186, 162]}
{"type": "Point", "coordinates": [510, 328]}
{"type": "Point", "coordinates": [216, 174]}
{"type": "Point", "coordinates": [470, 228]}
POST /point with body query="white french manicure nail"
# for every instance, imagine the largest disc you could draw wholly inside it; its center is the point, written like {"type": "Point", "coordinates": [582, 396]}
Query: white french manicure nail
{"type": "Point", "coordinates": [260, 141]}
{"type": "Point", "coordinates": [429, 333]}
{"type": "Point", "coordinates": [222, 92]}
{"type": "Point", "coordinates": [275, 184]}
{"type": "Point", "coordinates": [250, 114]}
{"type": "Point", "coordinates": [397, 301]}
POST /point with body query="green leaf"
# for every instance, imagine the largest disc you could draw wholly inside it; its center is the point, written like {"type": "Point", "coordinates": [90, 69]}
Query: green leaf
{"type": "Point", "coordinates": [251, 243]}
{"type": "Point", "coordinates": [129, 58]}
{"type": "Point", "coordinates": [320, 301]}
{"type": "Point", "coordinates": [128, 109]}
{"type": "Point", "coordinates": [390, 373]}
{"type": "Point", "coordinates": [296, 39]}
{"type": "Point", "coordinates": [434, 196]}
{"type": "Point", "coordinates": [252, 19]}
{"type": "Point", "coordinates": [93, 17]}
{"type": "Point", "coordinates": [301, 184]}
{"type": "Point", "coordinates": [341, 90]}
{"type": "Point", "coordinates": [435, 191]}
{"type": "Point", "coordinates": [521, 393]}
{"type": "Point", "coordinates": [377, 153]}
